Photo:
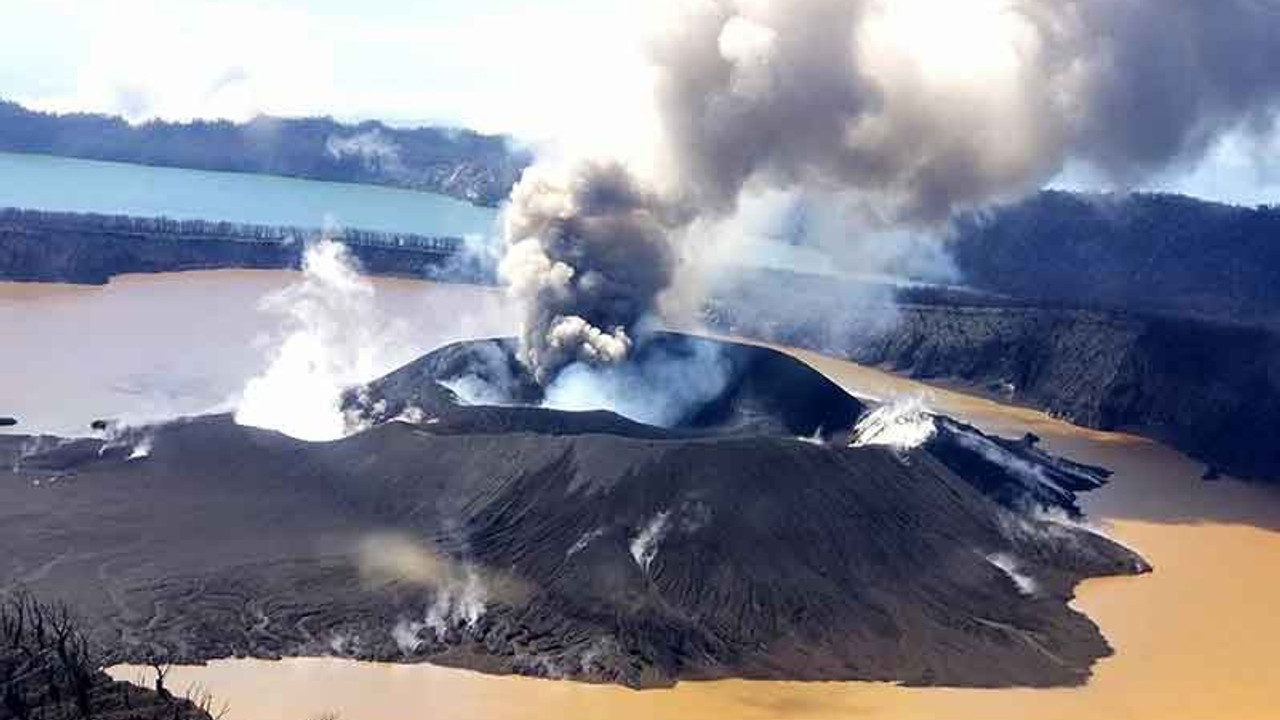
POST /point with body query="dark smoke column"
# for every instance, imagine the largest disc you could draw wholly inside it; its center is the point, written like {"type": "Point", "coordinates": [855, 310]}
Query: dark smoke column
{"type": "Point", "coordinates": [905, 110]}
{"type": "Point", "coordinates": [587, 255]}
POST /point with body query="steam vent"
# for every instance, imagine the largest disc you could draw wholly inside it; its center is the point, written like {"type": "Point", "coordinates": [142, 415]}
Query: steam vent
{"type": "Point", "coordinates": [759, 523]}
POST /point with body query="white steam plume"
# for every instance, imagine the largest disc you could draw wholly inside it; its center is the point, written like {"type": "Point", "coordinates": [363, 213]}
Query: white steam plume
{"type": "Point", "coordinates": [333, 338]}
{"type": "Point", "coordinates": [659, 388]}
{"type": "Point", "coordinates": [644, 546]}
{"type": "Point", "coordinates": [905, 111]}
{"type": "Point", "coordinates": [1012, 568]}
{"type": "Point", "coordinates": [462, 590]}
{"type": "Point", "coordinates": [903, 424]}
{"type": "Point", "coordinates": [372, 148]}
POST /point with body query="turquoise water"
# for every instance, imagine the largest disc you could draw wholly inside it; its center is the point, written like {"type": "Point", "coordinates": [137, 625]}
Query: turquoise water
{"type": "Point", "coordinates": [52, 183]}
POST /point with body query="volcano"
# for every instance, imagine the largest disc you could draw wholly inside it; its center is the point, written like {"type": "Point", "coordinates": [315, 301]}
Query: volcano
{"type": "Point", "coordinates": [469, 523]}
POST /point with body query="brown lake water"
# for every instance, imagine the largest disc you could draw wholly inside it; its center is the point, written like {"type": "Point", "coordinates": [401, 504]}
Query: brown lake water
{"type": "Point", "coordinates": [1195, 640]}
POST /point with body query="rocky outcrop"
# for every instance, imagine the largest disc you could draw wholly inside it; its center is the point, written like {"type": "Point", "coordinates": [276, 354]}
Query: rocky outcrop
{"type": "Point", "coordinates": [535, 541]}
{"type": "Point", "coordinates": [89, 248]}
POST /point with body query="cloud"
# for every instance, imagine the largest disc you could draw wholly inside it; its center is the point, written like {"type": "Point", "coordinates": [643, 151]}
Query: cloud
{"type": "Point", "coordinates": [900, 112]}
{"type": "Point", "coordinates": [476, 65]}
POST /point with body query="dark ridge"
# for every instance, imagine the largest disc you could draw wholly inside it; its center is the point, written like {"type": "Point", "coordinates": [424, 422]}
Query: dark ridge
{"type": "Point", "coordinates": [767, 393]}
{"type": "Point", "coordinates": [91, 248]}
{"type": "Point", "coordinates": [764, 392]}
{"type": "Point", "coordinates": [477, 168]}
{"type": "Point", "coordinates": [8, 421]}
{"type": "Point", "coordinates": [598, 549]}
{"type": "Point", "coordinates": [1014, 473]}
{"type": "Point", "coordinates": [1142, 254]}
{"type": "Point", "coordinates": [1155, 253]}
{"type": "Point", "coordinates": [1206, 388]}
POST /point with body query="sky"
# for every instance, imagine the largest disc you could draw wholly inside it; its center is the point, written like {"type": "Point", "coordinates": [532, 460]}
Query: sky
{"type": "Point", "coordinates": [467, 62]}
{"type": "Point", "coordinates": [512, 66]}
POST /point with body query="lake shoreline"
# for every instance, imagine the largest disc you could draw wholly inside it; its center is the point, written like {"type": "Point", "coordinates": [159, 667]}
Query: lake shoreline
{"type": "Point", "coordinates": [1187, 533]}
{"type": "Point", "coordinates": [91, 249]}
{"type": "Point", "coordinates": [1194, 640]}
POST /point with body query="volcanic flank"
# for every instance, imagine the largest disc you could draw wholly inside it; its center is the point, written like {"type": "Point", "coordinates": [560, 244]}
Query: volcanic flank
{"type": "Point", "coordinates": [747, 538]}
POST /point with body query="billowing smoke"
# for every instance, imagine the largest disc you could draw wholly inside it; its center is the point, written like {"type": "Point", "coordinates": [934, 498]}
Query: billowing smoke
{"type": "Point", "coordinates": [921, 108]}
{"type": "Point", "coordinates": [588, 255]}
{"type": "Point", "coordinates": [906, 111]}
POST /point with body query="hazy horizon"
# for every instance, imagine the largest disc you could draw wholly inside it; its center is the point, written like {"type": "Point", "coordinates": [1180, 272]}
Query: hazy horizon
{"type": "Point", "coordinates": [480, 66]}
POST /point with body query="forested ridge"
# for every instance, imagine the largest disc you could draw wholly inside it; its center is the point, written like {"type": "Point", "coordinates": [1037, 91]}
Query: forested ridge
{"type": "Point", "coordinates": [1168, 254]}
{"type": "Point", "coordinates": [460, 163]}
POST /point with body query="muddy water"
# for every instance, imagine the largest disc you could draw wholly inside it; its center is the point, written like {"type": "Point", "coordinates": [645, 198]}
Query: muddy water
{"type": "Point", "coordinates": [1195, 640]}
{"type": "Point", "coordinates": [148, 346]}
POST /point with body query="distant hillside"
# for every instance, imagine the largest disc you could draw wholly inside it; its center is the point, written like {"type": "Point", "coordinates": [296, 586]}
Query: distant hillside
{"type": "Point", "coordinates": [1209, 389]}
{"type": "Point", "coordinates": [87, 248]}
{"type": "Point", "coordinates": [463, 164]}
{"type": "Point", "coordinates": [1167, 254]}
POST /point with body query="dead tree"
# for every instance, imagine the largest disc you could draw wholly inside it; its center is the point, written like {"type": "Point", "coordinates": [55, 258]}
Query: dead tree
{"type": "Point", "coordinates": [162, 670]}
{"type": "Point", "coordinates": [203, 702]}
{"type": "Point", "coordinates": [44, 658]}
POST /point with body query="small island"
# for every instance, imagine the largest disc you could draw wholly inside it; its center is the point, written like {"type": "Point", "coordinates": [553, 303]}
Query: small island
{"type": "Point", "coordinates": [766, 531]}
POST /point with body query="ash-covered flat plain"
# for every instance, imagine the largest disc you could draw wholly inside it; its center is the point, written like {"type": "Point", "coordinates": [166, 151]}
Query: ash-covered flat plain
{"type": "Point", "coordinates": [746, 538]}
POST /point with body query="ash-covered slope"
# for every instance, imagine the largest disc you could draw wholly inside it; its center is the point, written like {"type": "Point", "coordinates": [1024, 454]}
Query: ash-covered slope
{"type": "Point", "coordinates": [541, 542]}
{"type": "Point", "coordinates": [764, 392]}
{"type": "Point", "coordinates": [750, 391]}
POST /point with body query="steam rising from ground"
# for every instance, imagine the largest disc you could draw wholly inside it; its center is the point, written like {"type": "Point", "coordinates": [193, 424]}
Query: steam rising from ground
{"type": "Point", "coordinates": [644, 546]}
{"type": "Point", "coordinates": [901, 111]}
{"type": "Point", "coordinates": [333, 339]}
{"type": "Point", "coordinates": [462, 590]}
{"type": "Point", "coordinates": [903, 424]}
{"type": "Point", "coordinates": [658, 389]}
{"type": "Point", "coordinates": [1029, 473]}
{"type": "Point", "coordinates": [1009, 565]}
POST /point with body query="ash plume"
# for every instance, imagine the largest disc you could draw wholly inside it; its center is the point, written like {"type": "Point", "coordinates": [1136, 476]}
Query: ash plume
{"type": "Point", "coordinates": [588, 256]}
{"type": "Point", "coordinates": [906, 111]}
